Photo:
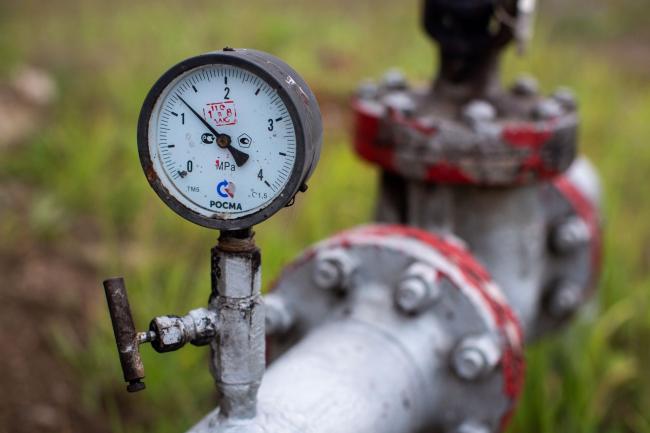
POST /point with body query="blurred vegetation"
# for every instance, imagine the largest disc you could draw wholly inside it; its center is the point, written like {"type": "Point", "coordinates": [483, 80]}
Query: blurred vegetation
{"type": "Point", "coordinates": [83, 169]}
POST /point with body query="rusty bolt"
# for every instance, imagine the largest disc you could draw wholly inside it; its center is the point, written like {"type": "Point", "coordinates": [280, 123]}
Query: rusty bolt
{"type": "Point", "coordinates": [569, 235]}
{"type": "Point", "coordinates": [564, 299]}
{"type": "Point", "coordinates": [475, 357]}
{"type": "Point", "coordinates": [471, 427]}
{"type": "Point", "coordinates": [333, 269]}
{"type": "Point", "coordinates": [547, 109]}
{"type": "Point", "coordinates": [367, 89]}
{"type": "Point", "coordinates": [566, 98]}
{"type": "Point", "coordinates": [394, 79]}
{"type": "Point", "coordinates": [525, 85]}
{"type": "Point", "coordinates": [418, 289]}
{"type": "Point", "coordinates": [478, 111]}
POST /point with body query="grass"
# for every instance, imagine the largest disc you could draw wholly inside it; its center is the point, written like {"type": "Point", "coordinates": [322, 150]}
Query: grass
{"type": "Point", "coordinates": [83, 163]}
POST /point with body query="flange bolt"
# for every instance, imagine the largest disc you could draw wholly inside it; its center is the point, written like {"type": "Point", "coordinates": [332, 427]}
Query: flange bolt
{"type": "Point", "coordinates": [569, 235]}
{"type": "Point", "coordinates": [525, 85]}
{"type": "Point", "coordinates": [367, 89]}
{"type": "Point", "coordinates": [394, 79]}
{"type": "Point", "coordinates": [478, 112]}
{"type": "Point", "coordinates": [475, 357]}
{"type": "Point", "coordinates": [564, 299]}
{"type": "Point", "coordinates": [566, 98]}
{"type": "Point", "coordinates": [418, 289]}
{"type": "Point", "coordinates": [333, 269]}
{"type": "Point", "coordinates": [547, 109]}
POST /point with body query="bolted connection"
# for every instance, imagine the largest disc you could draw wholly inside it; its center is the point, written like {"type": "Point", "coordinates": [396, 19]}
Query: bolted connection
{"type": "Point", "coordinates": [525, 85]}
{"type": "Point", "coordinates": [367, 89]}
{"type": "Point", "coordinates": [400, 102]}
{"type": "Point", "coordinates": [570, 235]}
{"type": "Point", "coordinates": [394, 79]}
{"type": "Point", "coordinates": [564, 299]}
{"type": "Point", "coordinates": [566, 98]}
{"type": "Point", "coordinates": [418, 289]}
{"type": "Point", "coordinates": [477, 112]}
{"type": "Point", "coordinates": [333, 269]}
{"type": "Point", "coordinates": [547, 109]}
{"type": "Point", "coordinates": [475, 357]}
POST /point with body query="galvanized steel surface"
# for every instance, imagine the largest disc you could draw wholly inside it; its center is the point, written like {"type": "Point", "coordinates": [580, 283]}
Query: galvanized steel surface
{"type": "Point", "coordinates": [353, 362]}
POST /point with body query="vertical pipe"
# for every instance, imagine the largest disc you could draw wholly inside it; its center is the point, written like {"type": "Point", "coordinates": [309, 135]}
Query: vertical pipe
{"type": "Point", "coordinates": [238, 352]}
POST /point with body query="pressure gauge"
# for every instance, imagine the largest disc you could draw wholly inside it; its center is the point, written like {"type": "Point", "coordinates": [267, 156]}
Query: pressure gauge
{"type": "Point", "coordinates": [228, 138]}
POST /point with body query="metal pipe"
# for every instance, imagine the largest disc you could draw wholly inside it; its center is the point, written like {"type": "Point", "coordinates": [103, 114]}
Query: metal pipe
{"type": "Point", "coordinates": [238, 352]}
{"type": "Point", "coordinates": [347, 376]}
{"type": "Point", "coordinates": [357, 361]}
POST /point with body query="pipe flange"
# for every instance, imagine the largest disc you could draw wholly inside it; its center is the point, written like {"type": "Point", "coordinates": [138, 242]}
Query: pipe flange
{"type": "Point", "coordinates": [407, 279]}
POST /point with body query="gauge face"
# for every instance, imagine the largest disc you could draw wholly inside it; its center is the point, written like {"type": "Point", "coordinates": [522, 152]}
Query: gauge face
{"type": "Point", "coordinates": [226, 139]}
{"type": "Point", "coordinates": [222, 141]}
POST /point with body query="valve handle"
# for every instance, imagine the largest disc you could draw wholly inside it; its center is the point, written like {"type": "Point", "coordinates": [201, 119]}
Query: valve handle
{"type": "Point", "coordinates": [126, 337]}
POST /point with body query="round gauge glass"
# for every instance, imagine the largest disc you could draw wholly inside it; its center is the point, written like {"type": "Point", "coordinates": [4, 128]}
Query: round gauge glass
{"type": "Point", "coordinates": [222, 140]}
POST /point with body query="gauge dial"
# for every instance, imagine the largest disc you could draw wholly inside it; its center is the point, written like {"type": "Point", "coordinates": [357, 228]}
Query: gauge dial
{"type": "Point", "coordinates": [226, 139]}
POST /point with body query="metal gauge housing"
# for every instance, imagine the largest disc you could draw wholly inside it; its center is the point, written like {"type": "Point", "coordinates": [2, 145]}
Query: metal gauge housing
{"type": "Point", "coordinates": [228, 138]}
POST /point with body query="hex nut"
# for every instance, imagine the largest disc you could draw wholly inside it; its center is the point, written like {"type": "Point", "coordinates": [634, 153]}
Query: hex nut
{"type": "Point", "coordinates": [475, 357]}
{"type": "Point", "coordinates": [367, 89]}
{"type": "Point", "coordinates": [569, 235]}
{"type": "Point", "coordinates": [564, 300]}
{"type": "Point", "coordinates": [400, 102]}
{"type": "Point", "coordinates": [171, 333]}
{"type": "Point", "coordinates": [566, 98]}
{"type": "Point", "coordinates": [547, 109]}
{"type": "Point", "coordinates": [238, 278]}
{"type": "Point", "coordinates": [525, 85]}
{"type": "Point", "coordinates": [333, 269]}
{"type": "Point", "coordinates": [479, 111]}
{"type": "Point", "coordinates": [417, 289]}
{"type": "Point", "coordinates": [394, 79]}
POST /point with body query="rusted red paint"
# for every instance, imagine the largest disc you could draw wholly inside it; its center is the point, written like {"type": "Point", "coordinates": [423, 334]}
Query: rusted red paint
{"type": "Point", "coordinates": [366, 139]}
{"type": "Point", "coordinates": [416, 124]}
{"type": "Point", "coordinates": [476, 277]}
{"type": "Point", "coordinates": [527, 136]}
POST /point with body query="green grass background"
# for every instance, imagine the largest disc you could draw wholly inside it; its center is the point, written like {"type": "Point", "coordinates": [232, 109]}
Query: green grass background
{"type": "Point", "coordinates": [83, 168]}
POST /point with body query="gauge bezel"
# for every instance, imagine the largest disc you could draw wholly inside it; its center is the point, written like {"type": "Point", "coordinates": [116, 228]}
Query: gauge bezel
{"type": "Point", "coordinates": [253, 64]}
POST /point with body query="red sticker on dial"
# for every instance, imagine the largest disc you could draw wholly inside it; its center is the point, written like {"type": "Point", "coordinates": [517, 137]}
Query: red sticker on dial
{"type": "Point", "coordinates": [222, 113]}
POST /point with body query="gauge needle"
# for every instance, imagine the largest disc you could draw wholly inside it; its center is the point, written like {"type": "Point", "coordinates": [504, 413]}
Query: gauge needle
{"type": "Point", "coordinates": [223, 140]}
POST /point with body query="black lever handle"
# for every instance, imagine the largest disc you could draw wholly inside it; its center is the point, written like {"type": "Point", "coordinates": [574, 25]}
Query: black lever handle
{"type": "Point", "coordinates": [126, 336]}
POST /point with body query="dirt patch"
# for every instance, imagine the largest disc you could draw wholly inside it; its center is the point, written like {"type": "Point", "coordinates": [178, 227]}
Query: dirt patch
{"type": "Point", "coordinates": [41, 292]}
